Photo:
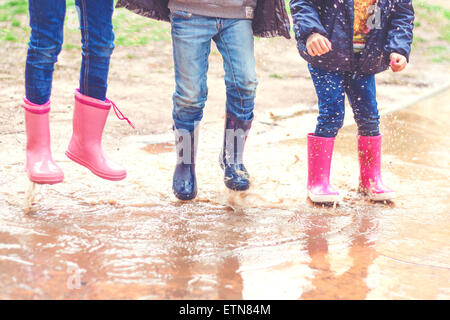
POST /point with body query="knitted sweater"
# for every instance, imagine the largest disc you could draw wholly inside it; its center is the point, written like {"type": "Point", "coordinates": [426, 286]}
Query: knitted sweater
{"type": "Point", "coordinates": [232, 9]}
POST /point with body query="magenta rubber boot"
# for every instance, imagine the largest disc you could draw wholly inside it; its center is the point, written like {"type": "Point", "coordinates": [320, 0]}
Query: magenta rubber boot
{"type": "Point", "coordinates": [85, 148]}
{"type": "Point", "coordinates": [320, 153]}
{"type": "Point", "coordinates": [370, 182]}
{"type": "Point", "coordinates": [39, 164]}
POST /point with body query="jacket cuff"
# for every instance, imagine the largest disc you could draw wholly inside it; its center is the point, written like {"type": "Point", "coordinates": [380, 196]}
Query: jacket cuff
{"type": "Point", "coordinates": [401, 51]}
{"type": "Point", "coordinates": [307, 33]}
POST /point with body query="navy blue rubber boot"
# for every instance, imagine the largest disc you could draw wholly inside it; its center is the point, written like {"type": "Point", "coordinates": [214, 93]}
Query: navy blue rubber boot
{"type": "Point", "coordinates": [184, 180]}
{"type": "Point", "coordinates": [231, 159]}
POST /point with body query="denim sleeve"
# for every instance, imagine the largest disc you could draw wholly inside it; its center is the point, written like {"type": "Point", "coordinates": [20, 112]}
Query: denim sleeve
{"type": "Point", "coordinates": [306, 19]}
{"type": "Point", "coordinates": [400, 33]}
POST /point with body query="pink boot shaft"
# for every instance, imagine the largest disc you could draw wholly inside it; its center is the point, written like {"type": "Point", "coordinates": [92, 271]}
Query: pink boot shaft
{"type": "Point", "coordinates": [370, 182]}
{"type": "Point", "coordinates": [85, 148]}
{"type": "Point", "coordinates": [39, 165]}
{"type": "Point", "coordinates": [320, 152]}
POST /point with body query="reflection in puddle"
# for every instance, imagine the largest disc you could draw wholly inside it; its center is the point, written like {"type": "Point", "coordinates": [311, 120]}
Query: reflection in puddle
{"type": "Point", "coordinates": [89, 238]}
{"type": "Point", "coordinates": [351, 282]}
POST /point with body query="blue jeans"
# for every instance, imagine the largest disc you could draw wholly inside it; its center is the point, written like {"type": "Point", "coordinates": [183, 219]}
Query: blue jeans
{"type": "Point", "coordinates": [191, 36]}
{"type": "Point", "coordinates": [47, 23]}
{"type": "Point", "coordinates": [331, 88]}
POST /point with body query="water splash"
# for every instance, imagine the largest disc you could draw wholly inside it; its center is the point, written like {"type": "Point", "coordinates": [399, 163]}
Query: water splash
{"type": "Point", "coordinates": [89, 238]}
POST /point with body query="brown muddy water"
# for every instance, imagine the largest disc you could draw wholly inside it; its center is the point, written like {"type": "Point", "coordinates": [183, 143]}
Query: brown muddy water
{"type": "Point", "coordinates": [91, 239]}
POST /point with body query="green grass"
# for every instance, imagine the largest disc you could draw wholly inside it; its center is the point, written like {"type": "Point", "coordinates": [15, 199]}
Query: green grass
{"type": "Point", "coordinates": [287, 6]}
{"type": "Point", "coordinates": [132, 30]}
{"type": "Point", "coordinates": [276, 76]}
{"type": "Point", "coordinates": [440, 59]}
{"type": "Point", "coordinates": [434, 21]}
{"type": "Point", "coordinates": [445, 34]}
{"type": "Point", "coordinates": [15, 7]}
{"type": "Point", "coordinates": [437, 49]}
{"type": "Point", "coordinates": [10, 25]}
{"type": "Point", "coordinates": [69, 46]}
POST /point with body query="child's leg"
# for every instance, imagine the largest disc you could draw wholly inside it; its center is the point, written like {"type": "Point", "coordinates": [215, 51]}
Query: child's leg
{"type": "Point", "coordinates": [236, 44]}
{"type": "Point", "coordinates": [362, 95]}
{"type": "Point", "coordinates": [97, 37]}
{"type": "Point", "coordinates": [361, 92]}
{"type": "Point", "coordinates": [91, 106]}
{"type": "Point", "coordinates": [46, 22]}
{"type": "Point", "coordinates": [330, 93]}
{"type": "Point", "coordinates": [191, 38]}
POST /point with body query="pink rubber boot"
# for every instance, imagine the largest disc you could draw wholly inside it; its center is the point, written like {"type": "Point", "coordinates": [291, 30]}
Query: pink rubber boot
{"type": "Point", "coordinates": [85, 148]}
{"type": "Point", "coordinates": [370, 183]}
{"type": "Point", "coordinates": [39, 164]}
{"type": "Point", "coordinates": [320, 152]}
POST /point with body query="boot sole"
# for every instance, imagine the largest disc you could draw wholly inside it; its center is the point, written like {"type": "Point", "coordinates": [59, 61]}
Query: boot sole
{"type": "Point", "coordinates": [185, 197]}
{"type": "Point", "coordinates": [381, 196]}
{"type": "Point", "coordinates": [46, 180]}
{"type": "Point", "coordinates": [323, 198]}
{"type": "Point", "coordinates": [238, 188]}
{"type": "Point", "coordinates": [93, 170]}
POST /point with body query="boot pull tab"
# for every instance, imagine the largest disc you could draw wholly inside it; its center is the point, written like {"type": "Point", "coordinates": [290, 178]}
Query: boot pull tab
{"type": "Point", "coordinates": [120, 115]}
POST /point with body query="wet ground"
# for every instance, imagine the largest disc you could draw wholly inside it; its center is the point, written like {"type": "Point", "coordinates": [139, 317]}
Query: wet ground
{"type": "Point", "coordinates": [90, 239]}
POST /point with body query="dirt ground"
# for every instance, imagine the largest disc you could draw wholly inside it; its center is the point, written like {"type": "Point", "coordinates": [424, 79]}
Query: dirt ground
{"type": "Point", "coordinates": [141, 84]}
{"type": "Point", "coordinates": [90, 239]}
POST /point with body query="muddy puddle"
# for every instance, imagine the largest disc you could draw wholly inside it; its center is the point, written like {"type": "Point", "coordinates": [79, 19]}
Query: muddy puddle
{"type": "Point", "coordinates": [91, 239]}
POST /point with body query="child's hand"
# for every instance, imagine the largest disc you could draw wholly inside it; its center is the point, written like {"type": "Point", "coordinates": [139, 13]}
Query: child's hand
{"type": "Point", "coordinates": [317, 45]}
{"type": "Point", "coordinates": [398, 62]}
